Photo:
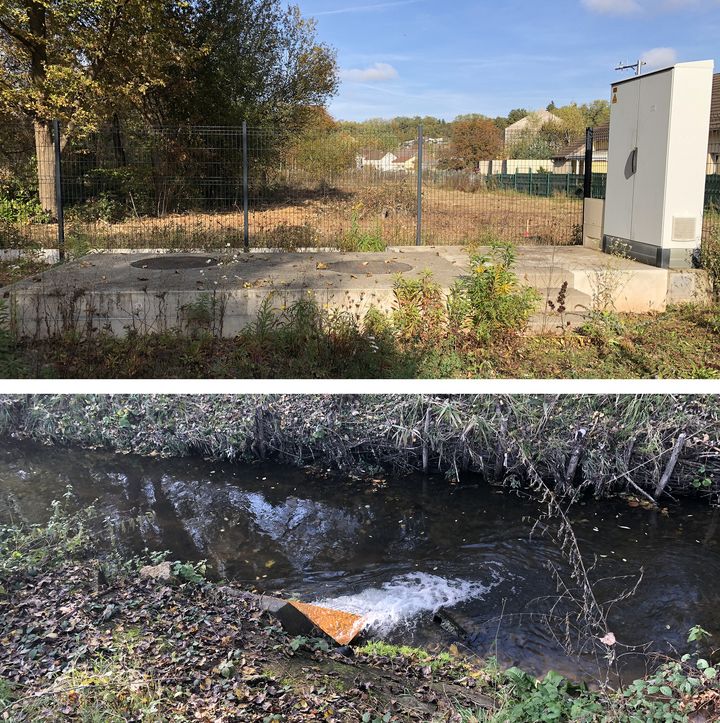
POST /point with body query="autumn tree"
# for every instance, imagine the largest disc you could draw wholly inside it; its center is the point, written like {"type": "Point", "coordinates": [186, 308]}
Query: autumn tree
{"type": "Point", "coordinates": [74, 59]}
{"type": "Point", "coordinates": [473, 140]}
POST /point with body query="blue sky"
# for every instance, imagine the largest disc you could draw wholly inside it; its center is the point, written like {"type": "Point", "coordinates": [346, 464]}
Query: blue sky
{"type": "Point", "coordinates": [446, 57]}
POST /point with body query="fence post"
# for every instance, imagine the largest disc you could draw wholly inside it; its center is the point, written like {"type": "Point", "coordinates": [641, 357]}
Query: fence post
{"type": "Point", "coordinates": [418, 225]}
{"type": "Point", "coordinates": [246, 214]}
{"type": "Point", "coordinates": [530, 188]}
{"type": "Point", "coordinates": [58, 192]}
{"type": "Point", "coordinates": [587, 185]}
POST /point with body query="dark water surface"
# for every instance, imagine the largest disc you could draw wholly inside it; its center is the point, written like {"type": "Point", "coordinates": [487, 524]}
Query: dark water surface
{"type": "Point", "coordinates": [395, 551]}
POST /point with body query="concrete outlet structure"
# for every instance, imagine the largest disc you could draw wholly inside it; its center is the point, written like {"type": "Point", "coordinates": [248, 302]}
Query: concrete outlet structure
{"type": "Point", "coordinates": [221, 293]}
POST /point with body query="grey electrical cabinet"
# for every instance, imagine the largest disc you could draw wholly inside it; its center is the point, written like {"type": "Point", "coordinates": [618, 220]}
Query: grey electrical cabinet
{"type": "Point", "coordinates": [659, 128]}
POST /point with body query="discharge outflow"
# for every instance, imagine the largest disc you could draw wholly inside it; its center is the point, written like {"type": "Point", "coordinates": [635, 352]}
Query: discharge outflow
{"type": "Point", "coordinates": [402, 600]}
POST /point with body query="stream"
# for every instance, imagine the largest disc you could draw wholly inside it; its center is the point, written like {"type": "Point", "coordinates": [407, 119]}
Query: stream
{"type": "Point", "coordinates": [395, 549]}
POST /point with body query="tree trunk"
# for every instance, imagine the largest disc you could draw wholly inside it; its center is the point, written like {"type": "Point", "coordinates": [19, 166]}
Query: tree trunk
{"type": "Point", "coordinates": [45, 153]}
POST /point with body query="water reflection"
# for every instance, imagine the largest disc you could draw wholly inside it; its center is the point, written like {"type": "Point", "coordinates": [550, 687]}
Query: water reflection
{"type": "Point", "coordinates": [281, 528]}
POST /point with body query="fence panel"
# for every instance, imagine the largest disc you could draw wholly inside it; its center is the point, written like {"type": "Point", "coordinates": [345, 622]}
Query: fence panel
{"type": "Point", "coordinates": [530, 192]}
{"type": "Point", "coordinates": [329, 189]}
{"type": "Point", "coordinates": [153, 188]}
{"type": "Point", "coordinates": [134, 186]}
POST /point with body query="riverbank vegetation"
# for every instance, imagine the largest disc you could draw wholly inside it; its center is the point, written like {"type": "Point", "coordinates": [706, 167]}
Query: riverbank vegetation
{"type": "Point", "coordinates": [90, 635]}
{"type": "Point", "coordinates": [477, 329]}
{"type": "Point", "coordinates": [648, 447]}
{"type": "Point", "coordinates": [305, 342]}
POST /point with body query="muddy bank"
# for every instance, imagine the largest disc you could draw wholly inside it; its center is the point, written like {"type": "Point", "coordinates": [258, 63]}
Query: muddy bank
{"type": "Point", "coordinates": [648, 446]}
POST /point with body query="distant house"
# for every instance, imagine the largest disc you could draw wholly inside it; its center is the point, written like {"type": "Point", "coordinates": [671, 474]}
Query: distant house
{"type": "Point", "coordinates": [380, 160]}
{"type": "Point", "coordinates": [574, 153]}
{"type": "Point", "coordinates": [405, 159]}
{"type": "Point", "coordinates": [714, 143]}
{"type": "Point", "coordinates": [531, 122]}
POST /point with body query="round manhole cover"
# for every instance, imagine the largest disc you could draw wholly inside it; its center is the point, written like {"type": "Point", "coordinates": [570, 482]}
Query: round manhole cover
{"type": "Point", "coordinates": [173, 263]}
{"type": "Point", "coordinates": [368, 267]}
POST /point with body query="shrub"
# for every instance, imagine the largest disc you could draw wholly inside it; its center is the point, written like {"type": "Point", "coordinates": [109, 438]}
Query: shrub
{"type": "Point", "coordinates": [421, 313]}
{"type": "Point", "coordinates": [710, 258]}
{"type": "Point", "coordinates": [21, 210]}
{"type": "Point", "coordinates": [490, 299]}
{"type": "Point", "coordinates": [386, 197]}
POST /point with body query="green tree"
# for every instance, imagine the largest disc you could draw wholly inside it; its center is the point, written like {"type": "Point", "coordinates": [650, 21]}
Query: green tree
{"type": "Point", "coordinates": [324, 155]}
{"type": "Point", "coordinates": [517, 114]}
{"type": "Point", "coordinates": [75, 59]}
{"type": "Point", "coordinates": [597, 112]}
{"type": "Point", "coordinates": [252, 60]}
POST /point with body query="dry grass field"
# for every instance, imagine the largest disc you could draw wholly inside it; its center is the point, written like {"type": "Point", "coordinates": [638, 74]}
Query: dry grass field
{"type": "Point", "coordinates": [359, 218]}
{"type": "Point", "coordinates": [362, 219]}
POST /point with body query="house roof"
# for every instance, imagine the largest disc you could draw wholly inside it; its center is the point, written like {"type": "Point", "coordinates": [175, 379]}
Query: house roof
{"type": "Point", "coordinates": [374, 155]}
{"type": "Point", "coordinates": [407, 154]}
{"type": "Point", "coordinates": [715, 106]}
{"type": "Point", "coordinates": [545, 116]}
{"type": "Point", "coordinates": [576, 148]}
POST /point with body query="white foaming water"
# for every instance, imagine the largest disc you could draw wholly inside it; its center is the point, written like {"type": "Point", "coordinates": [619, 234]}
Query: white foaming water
{"type": "Point", "coordinates": [403, 599]}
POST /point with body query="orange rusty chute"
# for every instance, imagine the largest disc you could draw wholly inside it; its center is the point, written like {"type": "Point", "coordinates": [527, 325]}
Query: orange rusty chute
{"type": "Point", "coordinates": [342, 627]}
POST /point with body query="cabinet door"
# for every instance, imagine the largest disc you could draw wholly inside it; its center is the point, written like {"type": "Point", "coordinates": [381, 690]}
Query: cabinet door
{"type": "Point", "coordinates": [652, 133]}
{"type": "Point", "coordinates": [621, 177]}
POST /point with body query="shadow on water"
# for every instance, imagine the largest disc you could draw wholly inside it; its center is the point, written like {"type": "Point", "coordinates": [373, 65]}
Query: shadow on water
{"type": "Point", "coordinates": [394, 551]}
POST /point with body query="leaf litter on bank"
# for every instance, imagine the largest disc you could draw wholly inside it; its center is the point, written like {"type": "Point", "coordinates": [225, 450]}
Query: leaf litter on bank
{"type": "Point", "coordinates": [191, 652]}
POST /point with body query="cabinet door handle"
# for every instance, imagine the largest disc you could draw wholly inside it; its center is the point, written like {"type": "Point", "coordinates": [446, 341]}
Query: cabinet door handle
{"type": "Point", "coordinates": [633, 162]}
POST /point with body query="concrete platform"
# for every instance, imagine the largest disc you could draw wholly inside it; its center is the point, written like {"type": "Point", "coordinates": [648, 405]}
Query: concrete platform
{"type": "Point", "coordinates": [221, 293]}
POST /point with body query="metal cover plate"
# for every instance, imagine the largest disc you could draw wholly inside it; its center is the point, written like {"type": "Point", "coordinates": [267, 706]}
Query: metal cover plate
{"type": "Point", "coordinates": [367, 267]}
{"type": "Point", "coordinates": [174, 263]}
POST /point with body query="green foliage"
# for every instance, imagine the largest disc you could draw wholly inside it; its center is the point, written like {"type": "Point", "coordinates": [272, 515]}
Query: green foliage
{"type": "Point", "coordinates": [554, 698]}
{"type": "Point", "coordinates": [604, 328]}
{"type": "Point", "coordinates": [420, 313]}
{"type": "Point", "coordinates": [490, 300]}
{"type": "Point", "coordinates": [669, 693]}
{"type": "Point", "coordinates": [22, 211]}
{"type": "Point", "coordinates": [710, 255]}
{"type": "Point", "coordinates": [11, 364]}
{"type": "Point", "coordinates": [193, 572]}
{"type": "Point", "coordinates": [358, 239]}
{"type": "Point", "coordinates": [416, 655]}
{"type": "Point", "coordinates": [66, 535]}
{"type": "Point", "coordinates": [323, 156]}
{"type": "Point", "coordinates": [698, 633]}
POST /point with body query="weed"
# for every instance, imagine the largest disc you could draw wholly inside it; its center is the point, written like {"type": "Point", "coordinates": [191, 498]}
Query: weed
{"type": "Point", "coordinates": [604, 328]}
{"type": "Point", "coordinates": [190, 571]}
{"type": "Point", "coordinates": [103, 689]}
{"type": "Point", "coordinates": [11, 363]}
{"type": "Point", "coordinates": [66, 535]}
{"type": "Point", "coordinates": [710, 258]}
{"type": "Point", "coordinates": [420, 312]}
{"type": "Point", "coordinates": [490, 300]}
{"type": "Point", "coordinates": [358, 239]}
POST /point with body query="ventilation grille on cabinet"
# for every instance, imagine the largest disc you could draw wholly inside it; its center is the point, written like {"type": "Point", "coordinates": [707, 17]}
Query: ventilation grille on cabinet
{"type": "Point", "coordinates": [684, 229]}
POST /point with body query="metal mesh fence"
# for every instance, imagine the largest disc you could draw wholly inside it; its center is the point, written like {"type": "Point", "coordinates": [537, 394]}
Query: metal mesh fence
{"type": "Point", "coordinates": [140, 187]}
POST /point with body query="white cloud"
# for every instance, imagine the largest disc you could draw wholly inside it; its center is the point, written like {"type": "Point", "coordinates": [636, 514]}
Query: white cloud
{"type": "Point", "coordinates": [659, 58]}
{"type": "Point", "coordinates": [613, 7]}
{"type": "Point", "coordinates": [633, 7]}
{"type": "Point", "coordinates": [375, 73]}
{"type": "Point", "coordinates": [366, 8]}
